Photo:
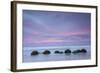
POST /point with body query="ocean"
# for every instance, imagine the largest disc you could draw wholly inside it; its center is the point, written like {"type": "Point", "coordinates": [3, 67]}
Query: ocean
{"type": "Point", "coordinates": [26, 54]}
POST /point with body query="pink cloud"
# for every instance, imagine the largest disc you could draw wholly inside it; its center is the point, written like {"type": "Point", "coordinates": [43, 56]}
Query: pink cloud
{"type": "Point", "coordinates": [50, 40]}
{"type": "Point", "coordinates": [46, 40]}
{"type": "Point", "coordinates": [53, 39]}
{"type": "Point", "coordinates": [72, 33]}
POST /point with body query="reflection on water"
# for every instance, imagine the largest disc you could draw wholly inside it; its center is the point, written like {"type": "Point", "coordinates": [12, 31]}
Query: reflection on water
{"type": "Point", "coordinates": [54, 57]}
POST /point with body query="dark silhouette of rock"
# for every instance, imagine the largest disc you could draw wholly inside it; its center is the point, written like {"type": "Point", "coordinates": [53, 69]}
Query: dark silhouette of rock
{"type": "Point", "coordinates": [76, 51]}
{"type": "Point", "coordinates": [46, 52]}
{"type": "Point", "coordinates": [58, 52]}
{"type": "Point", "coordinates": [83, 51]}
{"type": "Point", "coordinates": [67, 51]}
{"type": "Point", "coordinates": [80, 51]}
{"type": "Point", "coordinates": [34, 53]}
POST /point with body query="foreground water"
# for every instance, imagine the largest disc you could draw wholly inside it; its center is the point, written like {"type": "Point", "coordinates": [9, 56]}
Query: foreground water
{"type": "Point", "coordinates": [54, 57]}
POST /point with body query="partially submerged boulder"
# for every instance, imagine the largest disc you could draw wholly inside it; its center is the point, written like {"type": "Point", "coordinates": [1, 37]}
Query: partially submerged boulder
{"type": "Point", "coordinates": [34, 53]}
{"type": "Point", "coordinates": [58, 52]}
{"type": "Point", "coordinates": [67, 51]}
{"type": "Point", "coordinates": [76, 51]}
{"type": "Point", "coordinates": [46, 52]}
{"type": "Point", "coordinates": [83, 51]}
{"type": "Point", "coordinates": [80, 51]}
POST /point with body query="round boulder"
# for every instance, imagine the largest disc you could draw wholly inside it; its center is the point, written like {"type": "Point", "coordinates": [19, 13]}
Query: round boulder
{"type": "Point", "coordinates": [34, 53]}
{"type": "Point", "coordinates": [67, 51]}
{"type": "Point", "coordinates": [83, 51]}
{"type": "Point", "coordinates": [46, 52]}
{"type": "Point", "coordinates": [56, 51]}
{"type": "Point", "coordinates": [76, 51]}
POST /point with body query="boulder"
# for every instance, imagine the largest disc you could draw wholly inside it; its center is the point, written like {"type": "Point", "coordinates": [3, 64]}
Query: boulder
{"type": "Point", "coordinates": [58, 52]}
{"type": "Point", "coordinates": [80, 51]}
{"type": "Point", "coordinates": [34, 53]}
{"type": "Point", "coordinates": [76, 51]}
{"type": "Point", "coordinates": [67, 51]}
{"type": "Point", "coordinates": [83, 51]}
{"type": "Point", "coordinates": [46, 52]}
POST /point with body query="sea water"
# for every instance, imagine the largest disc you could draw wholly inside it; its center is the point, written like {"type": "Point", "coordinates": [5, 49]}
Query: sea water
{"type": "Point", "coordinates": [26, 54]}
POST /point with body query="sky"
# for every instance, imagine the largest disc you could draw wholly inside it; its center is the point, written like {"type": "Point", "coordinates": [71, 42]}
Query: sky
{"type": "Point", "coordinates": [55, 28]}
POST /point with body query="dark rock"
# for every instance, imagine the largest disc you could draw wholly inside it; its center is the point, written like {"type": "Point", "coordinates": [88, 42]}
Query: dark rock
{"type": "Point", "coordinates": [58, 52]}
{"type": "Point", "coordinates": [80, 51]}
{"type": "Point", "coordinates": [76, 51]}
{"type": "Point", "coordinates": [46, 52]}
{"type": "Point", "coordinates": [67, 51]}
{"type": "Point", "coordinates": [34, 53]}
{"type": "Point", "coordinates": [83, 51]}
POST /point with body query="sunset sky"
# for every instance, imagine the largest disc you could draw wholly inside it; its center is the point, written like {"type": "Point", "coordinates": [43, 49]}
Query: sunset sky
{"type": "Point", "coordinates": [53, 28]}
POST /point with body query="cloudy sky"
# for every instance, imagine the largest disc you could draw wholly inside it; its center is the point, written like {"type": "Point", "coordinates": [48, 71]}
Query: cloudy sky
{"type": "Point", "coordinates": [53, 28]}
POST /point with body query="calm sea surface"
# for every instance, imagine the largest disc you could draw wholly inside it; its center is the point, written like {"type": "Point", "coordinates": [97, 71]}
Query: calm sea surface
{"type": "Point", "coordinates": [54, 57]}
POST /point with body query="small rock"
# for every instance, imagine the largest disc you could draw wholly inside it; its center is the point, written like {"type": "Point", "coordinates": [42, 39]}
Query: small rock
{"type": "Point", "coordinates": [34, 53]}
{"type": "Point", "coordinates": [46, 52]}
{"type": "Point", "coordinates": [67, 51]}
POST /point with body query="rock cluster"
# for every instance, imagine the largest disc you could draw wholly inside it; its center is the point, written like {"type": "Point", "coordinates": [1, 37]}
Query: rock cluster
{"type": "Point", "coordinates": [67, 51]}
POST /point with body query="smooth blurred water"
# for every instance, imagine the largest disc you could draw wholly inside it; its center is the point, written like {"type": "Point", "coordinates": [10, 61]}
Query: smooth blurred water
{"type": "Point", "coordinates": [54, 57]}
